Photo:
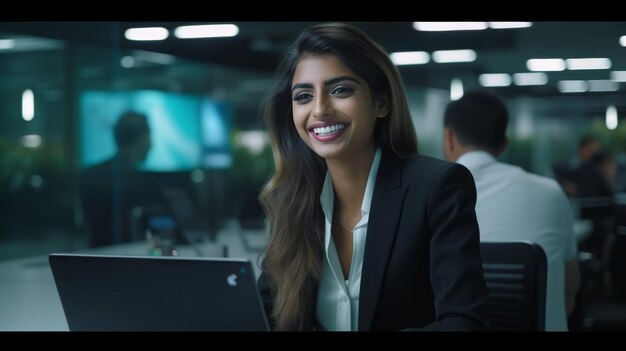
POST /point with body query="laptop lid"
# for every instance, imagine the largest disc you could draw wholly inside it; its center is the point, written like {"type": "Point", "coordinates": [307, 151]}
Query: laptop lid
{"type": "Point", "coordinates": [126, 293]}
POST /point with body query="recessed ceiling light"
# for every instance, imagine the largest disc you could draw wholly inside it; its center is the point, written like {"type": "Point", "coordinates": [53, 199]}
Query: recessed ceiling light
{"type": "Point", "coordinates": [509, 25]}
{"type": "Point", "coordinates": [549, 64]}
{"type": "Point", "coordinates": [602, 85]}
{"type": "Point", "coordinates": [494, 80]}
{"type": "Point", "coordinates": [409, 58]}
{"type": "Point", "coordinates": [588, 63]}
{"type": "Point", "coordinates": [618, 76]}
{"type": "Point", "coordinates": [572, 86]}
{"type": "Point", "coordinates": [536, 78]}
{"type": "Point", "coordinates": [206, 31]}
{"type": "Point", "coordinates": [146, 34]}
{"type": "Point", "coordinates": [448, 26]}
{"type": "Point", "coordinates": [449, 56]}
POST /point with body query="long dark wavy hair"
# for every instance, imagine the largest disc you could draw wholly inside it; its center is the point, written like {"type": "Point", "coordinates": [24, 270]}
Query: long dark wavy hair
{"type": "Point", "coordinates": [293, 257]}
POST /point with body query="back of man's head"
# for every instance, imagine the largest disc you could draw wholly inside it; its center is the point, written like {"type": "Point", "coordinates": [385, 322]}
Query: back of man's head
{"type": "Point", "coordinates": [478, 119]}
{"type": "Point", "coordinates": [129, 128]}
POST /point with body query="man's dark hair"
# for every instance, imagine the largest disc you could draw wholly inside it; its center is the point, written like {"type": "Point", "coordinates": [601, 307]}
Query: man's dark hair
{"type": "Point", "coordinates": [129, 128]}
{"type": "Point", "coordinates": [586, 140]}
{"type": "Point", "coordinates": [478, 119]}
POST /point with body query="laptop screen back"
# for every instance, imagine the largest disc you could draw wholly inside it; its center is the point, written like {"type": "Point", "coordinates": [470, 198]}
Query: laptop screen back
{"type": "Point", "coordinates": [122, 293]}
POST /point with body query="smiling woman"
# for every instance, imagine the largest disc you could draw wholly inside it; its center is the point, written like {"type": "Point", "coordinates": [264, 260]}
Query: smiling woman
{"type": "Point", "coordinates": [364, 233]}
{"type": "Point", "coordinates": [332, 105]}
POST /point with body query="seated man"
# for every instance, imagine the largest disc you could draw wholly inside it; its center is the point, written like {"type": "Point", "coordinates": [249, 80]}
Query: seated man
{"type": "Point", "coordinates": [111, 189]}
{"type": "Point", "coordinates": [513, 204]}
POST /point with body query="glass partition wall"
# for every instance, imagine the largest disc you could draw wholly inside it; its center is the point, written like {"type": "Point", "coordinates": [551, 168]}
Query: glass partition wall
{"type": "Point", "coordinates": [58, 105]}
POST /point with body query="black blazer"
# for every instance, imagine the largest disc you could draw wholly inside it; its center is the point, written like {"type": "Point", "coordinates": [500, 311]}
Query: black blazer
{"type": "Point", "coordinates": [422, 266]}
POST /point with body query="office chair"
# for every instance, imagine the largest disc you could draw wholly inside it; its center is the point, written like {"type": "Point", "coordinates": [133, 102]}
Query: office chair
{"type": "Point", "coordinates": [617, 259]}
{"type": "Point", "coordinates": [516, 277]}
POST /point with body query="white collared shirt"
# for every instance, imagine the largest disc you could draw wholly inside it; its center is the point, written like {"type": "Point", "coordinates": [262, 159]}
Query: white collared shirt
{"type": "Point", "coordinates": [512, 205]}
{"type": "Point", "coordinates": [338, 299]}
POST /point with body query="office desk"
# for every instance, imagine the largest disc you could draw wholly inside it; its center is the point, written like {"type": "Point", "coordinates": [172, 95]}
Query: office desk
{"type": "Point", "coordinates": [28, 297]}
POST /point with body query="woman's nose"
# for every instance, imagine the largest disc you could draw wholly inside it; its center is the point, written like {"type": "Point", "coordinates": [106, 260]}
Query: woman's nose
{"type": "Point", "coordinates": [322, 108]}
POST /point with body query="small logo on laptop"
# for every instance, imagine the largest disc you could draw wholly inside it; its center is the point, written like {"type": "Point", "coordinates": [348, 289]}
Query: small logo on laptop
{"type": "Point", "coordinates": [232, 280]}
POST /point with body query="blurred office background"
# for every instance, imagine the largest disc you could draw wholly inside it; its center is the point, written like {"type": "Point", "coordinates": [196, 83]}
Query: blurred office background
{"type": "Point", "coordinates": [63, 84]}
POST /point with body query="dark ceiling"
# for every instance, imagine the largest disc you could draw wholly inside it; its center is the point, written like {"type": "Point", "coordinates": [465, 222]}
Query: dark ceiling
{"type": "Point", "coordinates": [259, 45]}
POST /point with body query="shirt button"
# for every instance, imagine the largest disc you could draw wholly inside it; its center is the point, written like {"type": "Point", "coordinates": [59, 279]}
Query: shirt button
{"type": "Point", "coordinates": [344, 299]}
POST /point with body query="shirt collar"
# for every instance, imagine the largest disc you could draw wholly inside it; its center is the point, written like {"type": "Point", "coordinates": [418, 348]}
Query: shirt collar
{"type": "Point", "coordinates": [327, 197]}
{"type": "Point", "coordinates": [475, 160]}
{"type": "Point", "coordinates": [371, 181]}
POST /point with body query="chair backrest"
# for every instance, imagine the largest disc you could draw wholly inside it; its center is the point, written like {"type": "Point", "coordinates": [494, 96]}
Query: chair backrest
{"type": "Point", "coordinates": [516, 277]}
{"type": "Point", "coordinates": [617, 259]}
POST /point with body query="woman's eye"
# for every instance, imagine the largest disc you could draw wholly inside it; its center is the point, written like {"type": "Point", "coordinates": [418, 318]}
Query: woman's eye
{"type": "Point", "coordinates": [342, 90]}
{"type": "Point", "coordinates": [302, 97]}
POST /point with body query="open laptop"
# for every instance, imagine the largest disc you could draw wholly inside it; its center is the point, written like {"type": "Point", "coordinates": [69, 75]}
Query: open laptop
{"type": "Point", "coordinates": [127, 293]}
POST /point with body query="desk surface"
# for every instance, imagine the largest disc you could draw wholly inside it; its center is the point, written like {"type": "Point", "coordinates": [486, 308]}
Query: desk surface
{"type": "Point", "coordinates": [28, 297]}
{"type": "Point", "coordinates": [29, 300]}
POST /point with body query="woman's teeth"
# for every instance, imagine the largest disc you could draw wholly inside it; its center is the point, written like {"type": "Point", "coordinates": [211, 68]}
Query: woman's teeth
{"type": "Point", "coordinates": [328, 130]}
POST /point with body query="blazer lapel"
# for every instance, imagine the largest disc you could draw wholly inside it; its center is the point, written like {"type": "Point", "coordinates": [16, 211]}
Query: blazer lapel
{"type": "Point", "coordinates": [387, 202]}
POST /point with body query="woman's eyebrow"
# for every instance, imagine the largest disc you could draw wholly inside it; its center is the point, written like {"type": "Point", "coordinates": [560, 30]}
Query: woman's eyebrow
{"type": "Point", "coordinates": [327, 83]}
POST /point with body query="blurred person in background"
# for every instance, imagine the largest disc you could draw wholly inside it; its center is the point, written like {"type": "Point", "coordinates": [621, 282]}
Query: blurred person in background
{"type": "Point", "coordinates": [567, 174]}
{"type": "Point", "coordinates": [111, 189]}
{"type": "Point", "coordinates": [597, 176]}
{"type": "Point", "coordinates": [588, 146]}
{"type": "Point", "coordinates": [596, 186]}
